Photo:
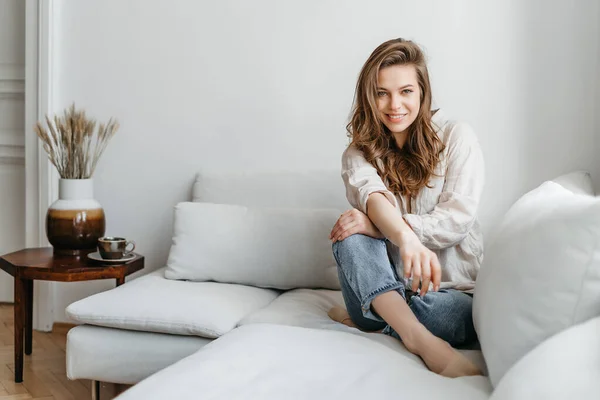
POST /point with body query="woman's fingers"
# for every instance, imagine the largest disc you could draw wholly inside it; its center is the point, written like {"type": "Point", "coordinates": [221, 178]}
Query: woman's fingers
{"type": "Point", "coordinates": [349, 229]}
{"type": "Point", "coordinates": [431, 271]}
{"type": "Point", "coordinates": [344, 230]}
{"type": "Point", "coordinates": [425, 275]}
{"type": "Point", "coordinates": [436, 272]}
{"type": "Point", "coordinates": [407, 267]}
{"type": "Point", "coordinates": [349, 223]}
{"type": "Point", "coordinates": [421, 264]}
{"type": "Point", "coordinates": [337, 226]}
{"type": "Point", "coordinates": [416, 273]}
{"type": "Point", "coordinates": [337, 229]}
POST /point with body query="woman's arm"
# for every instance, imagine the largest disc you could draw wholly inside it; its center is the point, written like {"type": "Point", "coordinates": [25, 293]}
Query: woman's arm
{"type": "Point", "coordinates": [351, 222]}
{"type": "Point", "coordinates": [367, 193]}
{"type": "Point", "coordinates": [361, 179]}
{"type": "Point", "coordinates": [419, 262]}
{"type": "Point", "coordinates": [451, 219]}
{"type": "Point", "coordinates": [387, 219]}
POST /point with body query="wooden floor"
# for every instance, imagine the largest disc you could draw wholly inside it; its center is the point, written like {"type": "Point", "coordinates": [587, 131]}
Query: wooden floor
{"type": "Point", "coordinates": [44, 376]}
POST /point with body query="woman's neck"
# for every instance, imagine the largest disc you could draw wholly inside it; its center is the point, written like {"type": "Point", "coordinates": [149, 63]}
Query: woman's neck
{"type": "Point", "coordinates": [400, 138]}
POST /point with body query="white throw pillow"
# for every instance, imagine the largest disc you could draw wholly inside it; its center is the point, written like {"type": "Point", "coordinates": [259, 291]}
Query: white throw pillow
{"type": "Point", "coordinates": [154, 304]}
{"type": "Point", "coordinates": [540, 275]}
{"type": "Point", "coordinates": [578, 182]}
{"type": "Point", "coordinates": [280, 248]}
{"type": "Point", "coordinates": [565, 366]}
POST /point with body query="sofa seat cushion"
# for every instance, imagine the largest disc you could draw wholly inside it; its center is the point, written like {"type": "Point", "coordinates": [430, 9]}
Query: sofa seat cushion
{"type": "Point", "coordinates": [265, 361]}
{"type": "Point", "coordinates": [308, 308]}
{"type": "Point", "coordinates": [155, 304]}
{"type": "Point", "coordinates": [122, 356]}
{"type": "Point", "coordinates": [300, 307]}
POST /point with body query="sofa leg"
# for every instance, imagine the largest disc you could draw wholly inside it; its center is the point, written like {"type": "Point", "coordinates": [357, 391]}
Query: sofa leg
{"type": "Point", "coordinates": [95, 390]}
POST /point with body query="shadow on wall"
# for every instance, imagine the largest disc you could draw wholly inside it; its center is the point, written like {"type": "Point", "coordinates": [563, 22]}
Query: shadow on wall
{"type": "Point", "coordinates": [526, 75]}
{"type": "Point", "coordinates": [558, 63]}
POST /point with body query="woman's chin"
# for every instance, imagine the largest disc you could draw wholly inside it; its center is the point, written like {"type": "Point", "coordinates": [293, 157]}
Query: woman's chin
{"type": "Point", "coordinates": [397, 128]}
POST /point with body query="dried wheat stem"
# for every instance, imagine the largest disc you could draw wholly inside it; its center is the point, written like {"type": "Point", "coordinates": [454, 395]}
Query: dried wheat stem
{"type": "Point", "coordinates": [71, 144]}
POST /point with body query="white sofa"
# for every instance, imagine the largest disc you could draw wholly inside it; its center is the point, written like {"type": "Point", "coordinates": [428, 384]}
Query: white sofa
{"type": "Point", "coordinates": [266, 343]}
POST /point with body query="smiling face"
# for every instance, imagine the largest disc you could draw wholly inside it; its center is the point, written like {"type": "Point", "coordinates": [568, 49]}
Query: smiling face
{"type": "Point", "coordinates": [398, 99]}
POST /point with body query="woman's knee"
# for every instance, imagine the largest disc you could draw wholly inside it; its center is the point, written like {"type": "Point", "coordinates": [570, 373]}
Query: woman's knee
{"type": "Point", "coordinates": [352, 241]}
{"type": "Point", "coordinates": [358, 246]}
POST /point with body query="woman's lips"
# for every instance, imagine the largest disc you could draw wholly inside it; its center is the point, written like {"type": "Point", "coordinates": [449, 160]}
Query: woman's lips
{"type": "Point", "coordinates": [395, 117]}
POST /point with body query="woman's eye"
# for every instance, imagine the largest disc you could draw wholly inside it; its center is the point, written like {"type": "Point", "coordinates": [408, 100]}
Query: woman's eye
{"type": "Point", "coordinates": [407, 91]}
{"type": "Point", "coordinates": [381, 94]}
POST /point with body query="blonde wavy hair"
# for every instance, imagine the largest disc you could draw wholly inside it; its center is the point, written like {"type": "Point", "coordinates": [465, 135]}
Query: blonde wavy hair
{"type": "Point", "coordinates": [408, 169]}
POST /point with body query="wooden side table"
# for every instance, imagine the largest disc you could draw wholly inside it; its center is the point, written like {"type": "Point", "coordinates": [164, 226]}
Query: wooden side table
{"type": "Point", "coordinates": [40, 263]}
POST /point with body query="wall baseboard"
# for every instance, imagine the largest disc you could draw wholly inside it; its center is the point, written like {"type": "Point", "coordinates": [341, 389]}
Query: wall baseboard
{"type": "Point", "coordinates": [62, 327]}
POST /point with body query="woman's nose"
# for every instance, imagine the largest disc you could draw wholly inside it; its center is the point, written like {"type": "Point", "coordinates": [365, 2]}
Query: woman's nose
{"type": "Point", "coordinates": [395, 102]}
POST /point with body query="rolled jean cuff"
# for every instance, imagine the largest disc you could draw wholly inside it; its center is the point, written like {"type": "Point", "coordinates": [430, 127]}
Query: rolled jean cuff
{"type": "Point", "coordinates": [365, 304]}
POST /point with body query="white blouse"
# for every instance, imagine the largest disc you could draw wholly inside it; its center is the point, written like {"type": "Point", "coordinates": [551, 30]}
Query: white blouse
{"type": "Point", "coordinates": [444, 215]}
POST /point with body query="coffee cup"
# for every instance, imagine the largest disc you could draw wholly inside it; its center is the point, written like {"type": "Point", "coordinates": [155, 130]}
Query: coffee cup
{"type": "Point", "coordinates": [113, 248]}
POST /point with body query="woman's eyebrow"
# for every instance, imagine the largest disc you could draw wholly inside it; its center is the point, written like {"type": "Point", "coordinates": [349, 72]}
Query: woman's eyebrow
{"type": "Point", "coordinates": [402, 87]}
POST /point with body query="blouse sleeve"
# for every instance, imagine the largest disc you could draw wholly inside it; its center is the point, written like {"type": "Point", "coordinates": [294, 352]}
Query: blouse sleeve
{"type": "Point", "coordinates": [361, 179]}
{"type": "Point", "coordinates": [451, 219]}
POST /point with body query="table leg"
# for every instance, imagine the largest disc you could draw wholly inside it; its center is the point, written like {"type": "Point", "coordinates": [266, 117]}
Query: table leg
{"type": "Point", "coordinates": [28, 285]}
{"type": "Point", "coordinates": [18, 322]}
{"type": "Point", "coordinates": [95, 390]}
{"type": "Point", "coordinates": [120, 280]}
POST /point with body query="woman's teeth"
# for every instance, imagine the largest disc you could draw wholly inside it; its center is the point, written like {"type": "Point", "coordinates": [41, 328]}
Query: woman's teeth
{"type": "Point", "coordinates": [396, 116]}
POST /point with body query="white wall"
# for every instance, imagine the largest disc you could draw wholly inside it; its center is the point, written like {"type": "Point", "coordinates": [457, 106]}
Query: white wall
{"type": "Point", "coordinates": [12, 134]}
{"type": "Point", "coordinates": [267, 85]}
{"type": "Point", "coordinates": [597, 108]}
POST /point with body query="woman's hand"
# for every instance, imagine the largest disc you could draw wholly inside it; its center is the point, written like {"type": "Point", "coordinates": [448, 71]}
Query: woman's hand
{"type": "Point", "coordinates": [420, 263]}
{"type": "Point", "coordinates": [351, 222]}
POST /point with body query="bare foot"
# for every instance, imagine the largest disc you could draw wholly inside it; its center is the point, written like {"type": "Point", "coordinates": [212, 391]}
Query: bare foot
{"type": "Point", "coordinates": [440, 357]}
{"type": "Point", "coordinates": [340, 315]}
{"type": "Point", "coordinates": [460, 366]}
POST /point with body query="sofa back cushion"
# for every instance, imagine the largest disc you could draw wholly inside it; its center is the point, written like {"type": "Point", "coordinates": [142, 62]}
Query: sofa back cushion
{"type": "Point", "coordinates": [308, 189]}
{"type": "Point", "coordinates": [269, 247]}
{"type": "Point", "coordinates": [541, 273]}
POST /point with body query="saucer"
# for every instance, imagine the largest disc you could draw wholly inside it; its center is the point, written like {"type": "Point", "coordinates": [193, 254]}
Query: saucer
{"type": "Point", "coordinates": [96, 257]}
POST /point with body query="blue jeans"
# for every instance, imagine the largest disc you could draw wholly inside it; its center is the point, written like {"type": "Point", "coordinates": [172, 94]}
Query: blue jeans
{"type": "Point", "coordinates": [366, 270]}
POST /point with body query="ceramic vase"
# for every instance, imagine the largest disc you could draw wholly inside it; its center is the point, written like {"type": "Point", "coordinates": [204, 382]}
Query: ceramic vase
{"type": "Point", "coordinates": [75, 221]}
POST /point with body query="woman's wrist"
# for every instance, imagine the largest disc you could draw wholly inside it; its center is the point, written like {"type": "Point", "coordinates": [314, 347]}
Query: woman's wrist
{"type": "Point", "coordinates": [403, 235]}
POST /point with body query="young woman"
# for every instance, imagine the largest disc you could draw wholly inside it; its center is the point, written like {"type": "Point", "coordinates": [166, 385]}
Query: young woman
{"type": "Point", "coordinates": [409, 251]}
